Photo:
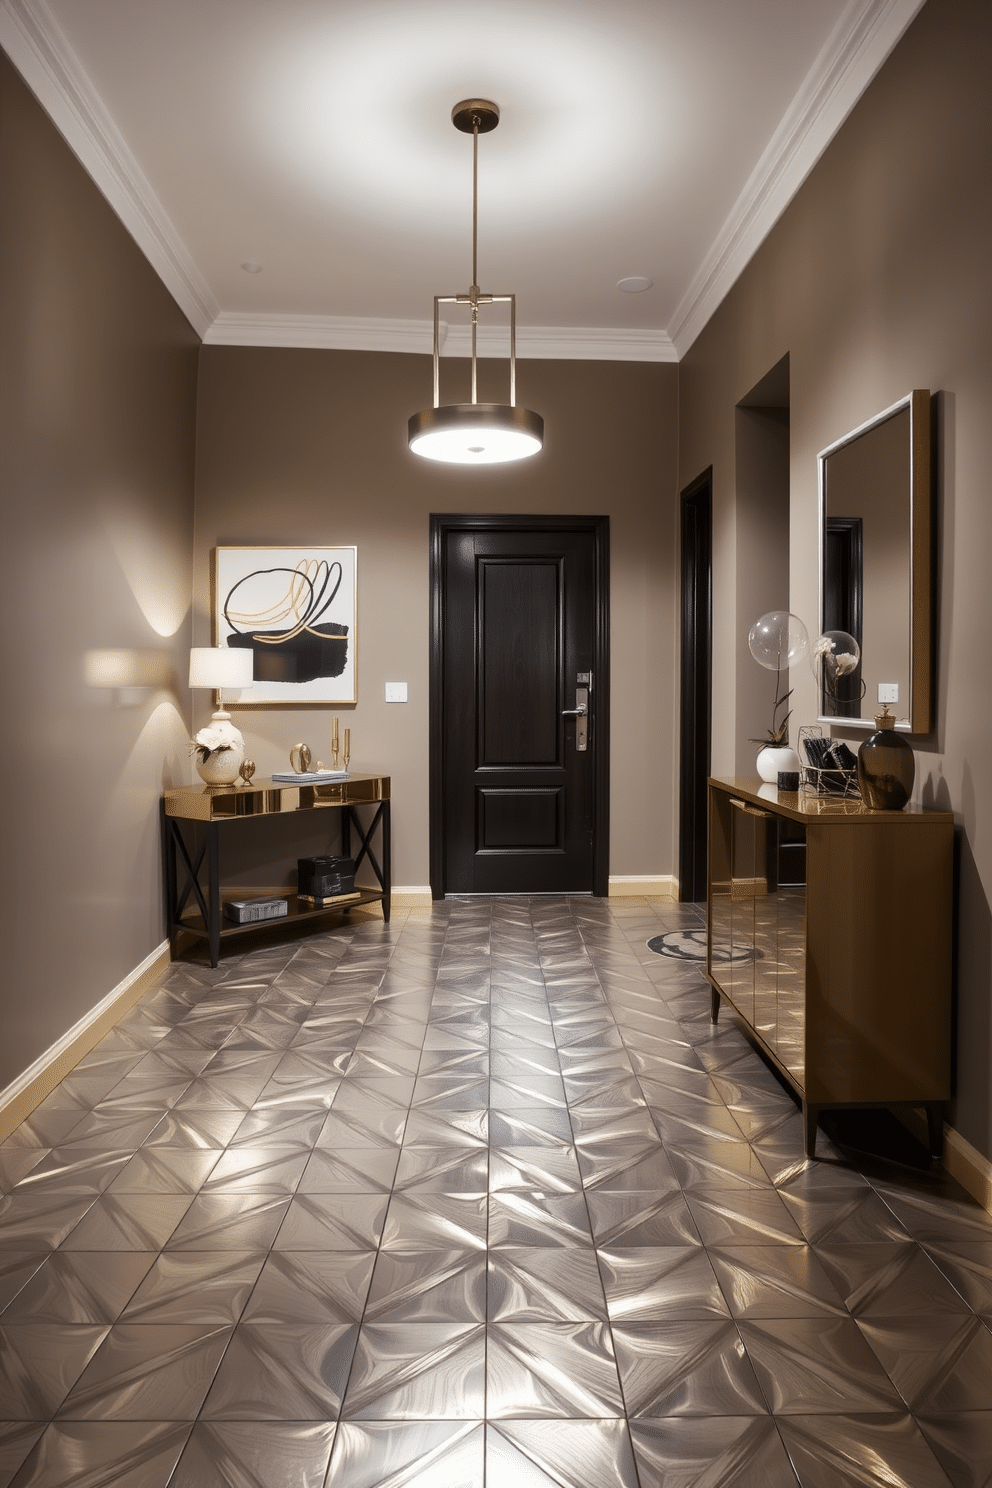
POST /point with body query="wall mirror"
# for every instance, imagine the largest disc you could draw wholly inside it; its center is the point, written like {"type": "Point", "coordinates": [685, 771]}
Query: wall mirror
{"type": "Point", "coordinates": [875, 565]}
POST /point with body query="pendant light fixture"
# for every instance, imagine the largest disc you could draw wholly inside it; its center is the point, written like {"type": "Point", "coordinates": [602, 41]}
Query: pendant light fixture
{"type": "Point", "coordinates": [476, 433]}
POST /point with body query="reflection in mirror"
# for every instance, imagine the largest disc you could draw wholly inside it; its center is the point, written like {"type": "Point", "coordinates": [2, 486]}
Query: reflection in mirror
{"type": "Point", "coordinates": [875, 563]}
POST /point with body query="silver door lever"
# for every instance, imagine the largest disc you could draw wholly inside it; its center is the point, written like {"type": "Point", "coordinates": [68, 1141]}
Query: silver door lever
{"type": "Point", "coordinates": [581, 711]}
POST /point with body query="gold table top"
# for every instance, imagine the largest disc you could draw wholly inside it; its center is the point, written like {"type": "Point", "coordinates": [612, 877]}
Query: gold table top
{"type": "Point", "coordinates": [269, 797]}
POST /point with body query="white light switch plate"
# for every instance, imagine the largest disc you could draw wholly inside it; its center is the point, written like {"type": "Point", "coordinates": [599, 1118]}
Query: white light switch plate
{"type": "Point", "coordinates": [888, 692]}
{"type": "Point", "coordinates": [395, 692]}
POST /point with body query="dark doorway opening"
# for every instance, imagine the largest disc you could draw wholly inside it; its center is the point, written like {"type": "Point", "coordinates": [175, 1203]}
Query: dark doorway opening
{"type": "Point", "coordinates": [695, 688]}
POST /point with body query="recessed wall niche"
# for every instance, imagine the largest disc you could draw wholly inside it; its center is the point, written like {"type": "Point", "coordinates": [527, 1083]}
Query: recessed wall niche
{"type": "Point", "coordinates": [761, 449]}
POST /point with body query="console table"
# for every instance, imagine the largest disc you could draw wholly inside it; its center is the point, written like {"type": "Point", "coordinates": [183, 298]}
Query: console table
{"type": "Point", "coordinates": [194, 817]}
{"type": "Point", "coordinates": [829, 932]}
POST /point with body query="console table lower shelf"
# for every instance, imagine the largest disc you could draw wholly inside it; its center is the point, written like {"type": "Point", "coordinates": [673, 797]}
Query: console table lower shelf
{"type": "Point", "coordinates": [192, 823]}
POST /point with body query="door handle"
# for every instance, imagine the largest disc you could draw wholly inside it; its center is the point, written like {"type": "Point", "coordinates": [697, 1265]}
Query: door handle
{"type": "Point", "coordinates": [581, 711]}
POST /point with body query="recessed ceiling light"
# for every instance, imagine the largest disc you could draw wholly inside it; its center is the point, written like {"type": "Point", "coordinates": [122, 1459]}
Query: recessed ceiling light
{"type": "Point", "coordinates": [636, 284]}
{"type": "Point", "coordinates": [252, 268]}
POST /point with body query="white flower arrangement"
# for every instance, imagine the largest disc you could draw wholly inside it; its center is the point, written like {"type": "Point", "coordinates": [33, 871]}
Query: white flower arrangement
{"type": "Point", "coordinates": [209, 741]}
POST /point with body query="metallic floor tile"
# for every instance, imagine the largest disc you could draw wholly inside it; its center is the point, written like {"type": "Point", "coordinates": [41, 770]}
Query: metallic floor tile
{"type": "Point", "coordinates": [775, 1281]}
{"type": "Point", "coordinates": [282, 1372]}
{"type": "Point", "coordinates": [407, 1454]}
{"type": "Point", "coordinates": [16, 1269]}
{"type": "Point", "coordinates": [554, 1370]}
{"type": "Point", "coordinates": [626, 1219]}
{"type": "Point", "coordinates": [39, 1221]}
{"type": "Point", "coordinates": [436, 1286]}
{"type": "Point", "coordinates": [660, 1284]}
{"type": "Point", "coordinates": [418, 1371]}
{"type": "Point", "coordinates": [297, 1287]}
{"type": "Point", "coordinates": [241, 1221]}
{"type": "Point", "coordinates": [560, 1454]}
{"type": "Point", "coordinates": [255, 1454]}
{"type": "Point", "coordinates": [874, 1451]}
{"type": "Point", "coordinates": [711, 1452]}
{"type": "Point", "coordinates": [686, 1368]}
{"type": "Point", "coordinates": [415, 1222]}
{"type": "Point", "coordinates": [148, 1372]}
{"type": "Point", "coordinates": [962, 1444]}
{"type": "Point", "coordinates": [40, 1363]}
{"type": "Point", "coordinates": [534, 1218]}
{"type": "Point", "coordinates": [529, 1283]}
{"type": "Point", "coordinates": [889, 1279]}
{"type": "Point", "coordinates": [321, 1222]}
{"type": "Point", "coordinates": [936, 1363]}
{"type": "Point", "coordinates": [194, 1287]}
{"type": "Point", "coordinates": [129, 1221]}
{"type": "Point", "coordinates": [80, 1287]}
{"type": "Point", "coordinates": [819, 1366]}
{"type": "Point", "coordinates": [104, 1454]}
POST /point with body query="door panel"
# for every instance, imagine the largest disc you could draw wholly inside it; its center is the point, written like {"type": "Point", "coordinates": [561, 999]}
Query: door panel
{"type": "Point", "coordinates": [519, 608]}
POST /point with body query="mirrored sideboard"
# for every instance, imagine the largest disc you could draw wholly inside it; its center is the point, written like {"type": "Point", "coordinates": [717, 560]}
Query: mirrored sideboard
{"type": "Point", "coordinates": [829, 933]}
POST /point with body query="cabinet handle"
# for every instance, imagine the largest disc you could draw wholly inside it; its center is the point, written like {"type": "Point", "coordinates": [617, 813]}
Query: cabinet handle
{"type": "Point", "coordinates": [750, 810]}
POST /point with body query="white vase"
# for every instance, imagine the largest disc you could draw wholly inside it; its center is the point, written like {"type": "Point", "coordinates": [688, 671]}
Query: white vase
{"type": "Point", "coordinates": [775, 758]}
{"type": "Point", "coordinates": [221, 766]}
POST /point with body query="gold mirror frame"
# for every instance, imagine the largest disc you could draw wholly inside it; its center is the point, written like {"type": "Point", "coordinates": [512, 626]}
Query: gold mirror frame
{"type": "Point", "coordinates": [916, 510]}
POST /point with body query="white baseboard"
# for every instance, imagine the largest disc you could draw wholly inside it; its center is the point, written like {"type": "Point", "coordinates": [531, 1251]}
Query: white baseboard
{"type": "Point", "coordinates": [40, 1079]}
{"type": "Point", "coordinates": [644, 886]}
{"type": "Point", "coordinates": [968, 1166]}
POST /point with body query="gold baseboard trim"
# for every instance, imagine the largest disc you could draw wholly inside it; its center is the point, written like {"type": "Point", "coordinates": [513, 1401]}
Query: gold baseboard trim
{"type": "Point", "coordinates": [411, 896]}
{"type": "Point", "coordinates": [644, 886]}
{"type": "Point", "coordinates": [29, 1089]}
{"type": "Point", "coordinates": [968, 1166]}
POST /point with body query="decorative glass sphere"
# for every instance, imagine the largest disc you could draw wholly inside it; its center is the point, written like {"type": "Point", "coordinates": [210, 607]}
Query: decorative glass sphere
{"type": "Point", "coordinates": [835, 654]}
{"type": "Point", "coordinates": [778, 640]}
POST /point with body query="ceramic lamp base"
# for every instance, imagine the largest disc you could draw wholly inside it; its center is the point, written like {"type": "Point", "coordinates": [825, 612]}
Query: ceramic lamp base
{"type": "Point", "coordinates": [222, 766]}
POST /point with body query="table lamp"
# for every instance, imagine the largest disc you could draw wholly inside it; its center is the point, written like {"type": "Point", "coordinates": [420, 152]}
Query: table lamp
{"type": "Point", "coordinates": [219, 748]}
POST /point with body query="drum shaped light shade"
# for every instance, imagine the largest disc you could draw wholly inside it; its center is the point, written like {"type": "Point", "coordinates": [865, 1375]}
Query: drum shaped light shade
{"type": "Point", "coordinates": [476, 433]}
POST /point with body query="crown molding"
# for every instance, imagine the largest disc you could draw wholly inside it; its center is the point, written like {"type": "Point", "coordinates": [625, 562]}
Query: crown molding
{"type": "Point", "coordinates": [859, 44]}
{"type": "Point", "coordinates": [352, 333]}
{"type": "Point", "coordinates": [40, 50]}
{"type": "Point", "coordinates": [861, 41]}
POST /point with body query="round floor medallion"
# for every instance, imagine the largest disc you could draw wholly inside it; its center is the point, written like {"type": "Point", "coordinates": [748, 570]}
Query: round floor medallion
{"type": "Point", "coordinates": [690, 945]}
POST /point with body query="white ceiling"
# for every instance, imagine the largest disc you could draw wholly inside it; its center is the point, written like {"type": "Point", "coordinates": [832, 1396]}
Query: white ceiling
{"type": "Point", "coordinates": [659, 138]}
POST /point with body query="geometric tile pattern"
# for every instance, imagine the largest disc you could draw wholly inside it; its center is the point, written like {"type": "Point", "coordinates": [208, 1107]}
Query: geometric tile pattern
{"type": "Point", "coordinates": [478, 1197]}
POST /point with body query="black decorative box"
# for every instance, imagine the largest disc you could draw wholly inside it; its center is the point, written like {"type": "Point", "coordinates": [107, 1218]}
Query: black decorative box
{"type": "Point", "coordinates": [324, 878]}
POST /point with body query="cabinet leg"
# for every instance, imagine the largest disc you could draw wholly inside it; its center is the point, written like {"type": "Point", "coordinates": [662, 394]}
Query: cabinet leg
{"type": "Point", "coordinates": [714, 1004]}
{"type": "Point", "coordinates": [213, 891]}
{"type": "Point", "coordinates": [935, 1127]}
{"type": "Point", "coordinates": [810, 1114]}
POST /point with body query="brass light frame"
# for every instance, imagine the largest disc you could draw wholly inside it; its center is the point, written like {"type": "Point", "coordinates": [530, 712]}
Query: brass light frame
{"type": "Point", "coordinates": [522, 430]}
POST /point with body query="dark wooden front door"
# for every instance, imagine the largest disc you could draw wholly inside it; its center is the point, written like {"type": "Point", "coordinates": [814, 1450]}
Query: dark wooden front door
{"type": "Point", "coordinates": [519, 617]}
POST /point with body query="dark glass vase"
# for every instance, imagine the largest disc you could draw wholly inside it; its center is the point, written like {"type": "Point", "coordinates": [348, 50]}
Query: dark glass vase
{"type": "Point", "coordinates": [886, 766]}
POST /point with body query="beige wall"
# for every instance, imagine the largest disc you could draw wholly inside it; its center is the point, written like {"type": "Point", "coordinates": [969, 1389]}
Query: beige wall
{"type": "Point", "coordinates": [310, 446]}
{"type": "Point", "coordinates": [97, 404]}
{"type": "Point", "coordinates": [876, 281]}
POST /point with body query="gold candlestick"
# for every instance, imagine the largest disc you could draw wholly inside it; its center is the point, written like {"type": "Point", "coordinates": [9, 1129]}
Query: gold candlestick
{"type": "Point", "coordinates": [334, 741]}
{"type": "Point", "coordinates": [347, 747]}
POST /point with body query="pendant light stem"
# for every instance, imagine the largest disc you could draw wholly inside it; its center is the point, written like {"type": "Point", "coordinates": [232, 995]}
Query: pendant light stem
{"type": "Point", "coordinates": [475, 257]}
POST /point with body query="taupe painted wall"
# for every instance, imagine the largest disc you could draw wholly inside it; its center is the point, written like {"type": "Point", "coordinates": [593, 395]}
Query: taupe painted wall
{"type": "Point", "coordinates": [875, 281]}
{"type": "Point", "coordinates": [97, 408]}
{"type": "Point", "coordinates": [310, 446]}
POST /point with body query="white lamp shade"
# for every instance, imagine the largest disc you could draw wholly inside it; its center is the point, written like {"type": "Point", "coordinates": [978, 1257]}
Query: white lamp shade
{"type": "Point", "coordinates": [219, 666]}
{"type": "Point", "coordinates": [476, 433]}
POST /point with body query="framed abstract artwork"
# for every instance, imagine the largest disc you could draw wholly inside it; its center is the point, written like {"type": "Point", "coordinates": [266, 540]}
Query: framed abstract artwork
{"type": "Point", "coordinates": [295, 609]}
